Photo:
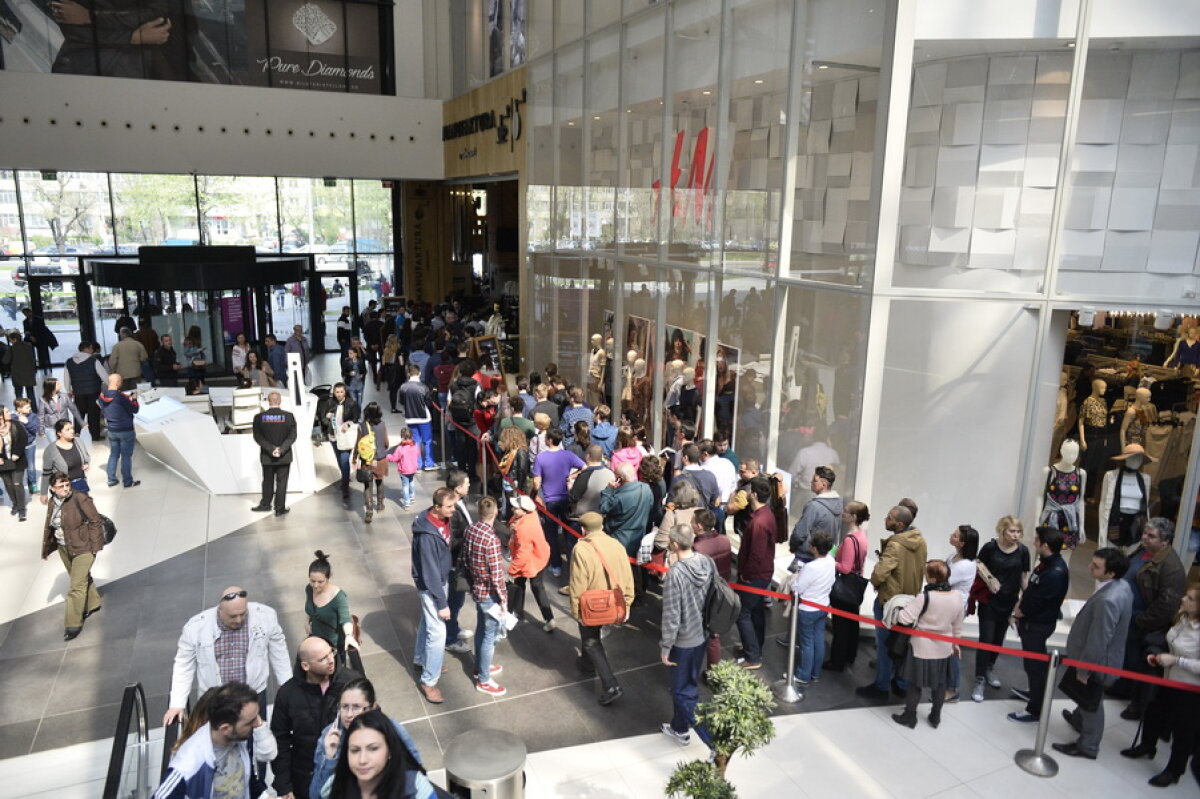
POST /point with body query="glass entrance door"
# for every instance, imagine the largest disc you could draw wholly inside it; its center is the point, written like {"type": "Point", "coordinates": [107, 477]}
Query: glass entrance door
{"type": "Point", "coordinates": [62, 317]}
{"type": "Point", "coordinates": [331, 292]}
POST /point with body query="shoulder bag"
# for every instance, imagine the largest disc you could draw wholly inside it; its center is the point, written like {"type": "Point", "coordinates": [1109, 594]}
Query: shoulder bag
{"type": "Point", "coordinates": [849, 588]}
{"type": "Point", "coordinates": [601, 606]}
{"type": "Point", "coordinates": [898, 643]}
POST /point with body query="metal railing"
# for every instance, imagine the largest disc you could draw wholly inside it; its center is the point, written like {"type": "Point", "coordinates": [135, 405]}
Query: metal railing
{"type": "Point", "coordinates": [133, 712]}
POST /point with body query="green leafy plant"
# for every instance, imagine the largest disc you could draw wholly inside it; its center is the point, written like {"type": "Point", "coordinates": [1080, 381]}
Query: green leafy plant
{"type": "Point", "coordinates": [699, 780]}
{"type": "Point", "coordinates": [738, 719]}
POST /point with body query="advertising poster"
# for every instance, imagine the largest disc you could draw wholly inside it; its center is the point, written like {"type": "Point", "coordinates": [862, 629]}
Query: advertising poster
{"type": "Point", "coordinates": [323, 45]}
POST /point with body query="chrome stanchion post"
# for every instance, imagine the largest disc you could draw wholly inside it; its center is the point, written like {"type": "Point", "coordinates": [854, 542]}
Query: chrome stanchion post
{"type": "Point", "coordinates": [1035, 760]}
{"type": "Point", "coordinates": [785, 689]}
{"type": "Point", "coordinates": [442, 459]}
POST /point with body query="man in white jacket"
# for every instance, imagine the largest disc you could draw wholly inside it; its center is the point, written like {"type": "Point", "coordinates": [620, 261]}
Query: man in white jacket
{"type": "Point", "coordinates": [235, 641]}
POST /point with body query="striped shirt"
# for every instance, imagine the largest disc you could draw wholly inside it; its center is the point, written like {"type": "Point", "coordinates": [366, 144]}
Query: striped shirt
{"type": "Point", "coordinates": [230, 649]}
{"type": "Point", "coordinates": [481, 553]}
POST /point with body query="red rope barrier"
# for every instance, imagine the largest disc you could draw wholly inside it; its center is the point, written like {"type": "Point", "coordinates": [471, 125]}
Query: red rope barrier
{"type": "Point", "coordinates": [749, 589]}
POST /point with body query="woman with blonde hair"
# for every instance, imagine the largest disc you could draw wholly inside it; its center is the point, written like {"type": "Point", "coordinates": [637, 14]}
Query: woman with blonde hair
{"type": "Point", "coordinates": [1003, 565]}
{"type": "Point", "coordinates": [541, 423]}
{"type": "Point", "coordinates": [391, 370]}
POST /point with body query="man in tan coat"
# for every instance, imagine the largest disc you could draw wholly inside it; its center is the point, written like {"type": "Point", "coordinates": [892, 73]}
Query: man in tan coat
{"type": "Point", "coordinates": [589, 560]}
{"type": "Point", "coordinates": [126, 360]}
{"type": "Point", "coordinates": [900, 570]}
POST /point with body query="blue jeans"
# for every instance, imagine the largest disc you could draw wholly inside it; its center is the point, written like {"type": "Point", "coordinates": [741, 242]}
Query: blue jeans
{"type": "Point", "coordinates": [486, 630]}
{"type": "Point", "coordinates": [752, 621]}
{"type": "Point", "coordinates": [343, 460]}
{"type": "Point", "coordinates": [120, 446]}
{"type": "Point", "coordinates": [422, 433]}
{"type": "Point", "coordinates": [810, 645]}
{"type": "Point", "coordinates": [685, 688]}
{"type": "Point", "coordinates": [32, 472]}
{"type": "Point", "coordinates": [883, 663]}
{"type": "Point", "coordinates": [407, 494]}
{"type": "Point", "coordinates": [431, 641]}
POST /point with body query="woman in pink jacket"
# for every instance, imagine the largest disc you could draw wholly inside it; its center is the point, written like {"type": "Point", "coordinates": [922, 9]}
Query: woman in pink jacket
{"type": "Point", "coordinates": [530, 553]}
{"type": "Point", "coordinates": [936, 610]}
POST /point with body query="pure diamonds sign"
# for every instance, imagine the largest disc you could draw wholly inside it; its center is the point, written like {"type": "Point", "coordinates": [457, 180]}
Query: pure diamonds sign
{"type": "Point", "coordinates": [325, 45]}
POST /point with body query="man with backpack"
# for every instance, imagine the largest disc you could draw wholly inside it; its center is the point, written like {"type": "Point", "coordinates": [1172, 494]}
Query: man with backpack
{"type": "Point", "coordinates": [463, 390]}
{"type": "Point", "coordinates": [684, 638]}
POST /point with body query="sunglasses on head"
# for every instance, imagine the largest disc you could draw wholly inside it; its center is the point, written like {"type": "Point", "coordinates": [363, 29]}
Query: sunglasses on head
{"type": "Point", "coordinates": [232, 595]}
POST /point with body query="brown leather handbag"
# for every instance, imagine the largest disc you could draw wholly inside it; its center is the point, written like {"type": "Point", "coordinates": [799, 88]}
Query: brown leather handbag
{"type": "Point", "coordinates": [601, 606]}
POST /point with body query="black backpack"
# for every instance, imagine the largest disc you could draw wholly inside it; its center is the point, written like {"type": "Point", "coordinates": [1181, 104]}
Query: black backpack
{"type": "Point", "coordinates": [462, 404]}
{"type": "Point", "coordinates": [722, 606]}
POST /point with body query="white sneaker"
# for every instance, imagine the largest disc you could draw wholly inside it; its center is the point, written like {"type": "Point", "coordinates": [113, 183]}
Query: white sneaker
{"type": "Point", "coordinates": [465, 635]}
{"type": "Point", "coordinates": [549, 626]}
{"type": "Point", "coordinates": [977, 693]}
{"type": "Point", "coordinates": [681, 738]}
{"type": "Point", "coordinates": [992, 680]}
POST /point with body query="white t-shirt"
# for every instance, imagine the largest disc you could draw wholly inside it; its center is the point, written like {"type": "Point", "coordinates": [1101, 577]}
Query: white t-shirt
{"type": "Point", "coordinates": [814, 582]}
{"type": "Point", "coordinates": [962, 576]}
{"type": "Point", "coordinates": [726, 474]}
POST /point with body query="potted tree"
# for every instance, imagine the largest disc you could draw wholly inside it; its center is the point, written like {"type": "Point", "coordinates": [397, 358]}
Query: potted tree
{"type": "Point", "coordinates": [738, 718]}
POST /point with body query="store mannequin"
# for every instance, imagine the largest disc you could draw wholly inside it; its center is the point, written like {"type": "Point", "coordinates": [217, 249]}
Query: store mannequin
{"type": "Point", "coordinates": [1124, 499]}
{"type": "Point", "coordinates": [1140, 415]}
{"type": "Point", "coordinates": [1093, 437]}
{"type": "Point", "coordinates": [674, 382]}
{"type": "Point", "coordinates": [1186, 353]}
{"type": "Point", "coordinates": [495, 323]}
{"type": "Point", "coordinates": [627, 374]}
{"type": "Point", "coordinates": [641, 384]}
{"type": "Point", "coordinates": [596, 363]}
{"type": "Point", "coordinates": [1065, 485]}
{"type": "Point", "coordinates": [689, 399]}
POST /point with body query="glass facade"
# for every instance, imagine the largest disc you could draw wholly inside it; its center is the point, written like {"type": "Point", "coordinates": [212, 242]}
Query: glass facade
{"type": "Point", "coordinates": [736, 164]}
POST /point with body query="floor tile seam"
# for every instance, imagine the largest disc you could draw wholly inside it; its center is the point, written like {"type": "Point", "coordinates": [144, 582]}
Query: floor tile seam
{"type": "Point", "coordinates": [46, 703]}
{"type": "Point", "coordinates": [537, 692]}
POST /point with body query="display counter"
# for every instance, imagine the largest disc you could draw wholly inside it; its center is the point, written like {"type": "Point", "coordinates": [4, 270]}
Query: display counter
{"type": "Point", "coordinates": [191, 443]}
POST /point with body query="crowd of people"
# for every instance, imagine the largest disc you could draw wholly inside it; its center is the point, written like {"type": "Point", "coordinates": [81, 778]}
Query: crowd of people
{"type": "Point", "coordinates": [543, 491]}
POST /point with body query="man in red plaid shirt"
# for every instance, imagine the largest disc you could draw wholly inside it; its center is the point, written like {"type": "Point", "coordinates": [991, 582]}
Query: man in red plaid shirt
{"type": "Point", "coordinates": [481, 554]}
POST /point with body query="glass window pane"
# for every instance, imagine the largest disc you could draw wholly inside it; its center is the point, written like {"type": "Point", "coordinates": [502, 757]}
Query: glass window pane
{"type": "Point", "coordinates": [539, 116]}
{"type": "Point", "coordinates": [568, 22]}
{"type": "Point", "coordinates": [316, 218]}
{"type": "Point", "coordinates": [1132, 222]}
{"type": "Point", "coordinates": [67, 215]}
{"type": "Point", "coordinates": [239, 210]}
{"type": "Point", "coordinates": [541, 27]}
{"type": "Point", "coordinates": [760, 42]}
{"type": "Point", "coordinates": [602, 119]}
{"type": "Point", "coordinates": [832, 238]}
{"type": "Point", "coordinates": [641, 89]}
{"type": "Point", "coordinates": [695, 45]}
{"type": "Point", "coordinates": [11, 241]}
{"type": "Point", "coordinates": [568, 107]}
{"type": "Point", "coordinates": [642, 350]}
{"type": "Point", "coordinates": [372, 217]}
{"type": "Point", "coordinates": [601, 13]}
{"type": "Point", "coordinates": [981, 167]}
{"type": "Point", "coordinates": [154, 209]}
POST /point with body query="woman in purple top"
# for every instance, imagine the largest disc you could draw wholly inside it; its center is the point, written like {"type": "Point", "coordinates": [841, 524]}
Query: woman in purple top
{"type": "Point", "coordinates": [551, 469]}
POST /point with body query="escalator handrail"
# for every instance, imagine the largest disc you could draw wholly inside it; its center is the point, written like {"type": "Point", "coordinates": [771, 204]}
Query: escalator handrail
{"type": "Point", "coordinates": [171, 734]}
{"type": "Point", "coordinates": [133, 708]}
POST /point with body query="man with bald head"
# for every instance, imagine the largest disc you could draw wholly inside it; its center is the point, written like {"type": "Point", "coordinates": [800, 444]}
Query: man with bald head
{"type": "Point", "coordinates": [238, 641]}
{"type": "Point", "coordinates": [900, 570]}
{"type": "Point", "coordinates": [305, 705]}
{"type": "Point", "coordinates": [274, 432]}
{"type": "Point", "coordinates": [119, 409]}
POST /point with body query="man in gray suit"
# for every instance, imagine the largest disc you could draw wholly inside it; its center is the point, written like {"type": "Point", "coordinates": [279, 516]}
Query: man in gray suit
{"type": "Point", "coordinates": [1098, 636]}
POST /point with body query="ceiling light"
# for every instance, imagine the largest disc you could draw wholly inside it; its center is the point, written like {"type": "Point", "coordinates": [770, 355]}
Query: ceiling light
{"type": "Point", "coordinates": [706, 92]}
{"type": "Point", "coordinates": [596, 118]}
{"type": "Point", "coordinates": [759, 81]}
{"type": "Point", "coordinates": [823, 66]}
{"type": "Point", "coordinates": [1070, 44]}
{"type": "Point", "coordinates": [572, 124]}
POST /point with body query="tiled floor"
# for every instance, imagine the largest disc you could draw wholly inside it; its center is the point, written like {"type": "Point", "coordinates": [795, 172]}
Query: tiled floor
{"type": "Point", "coordinates": [178, 547]}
